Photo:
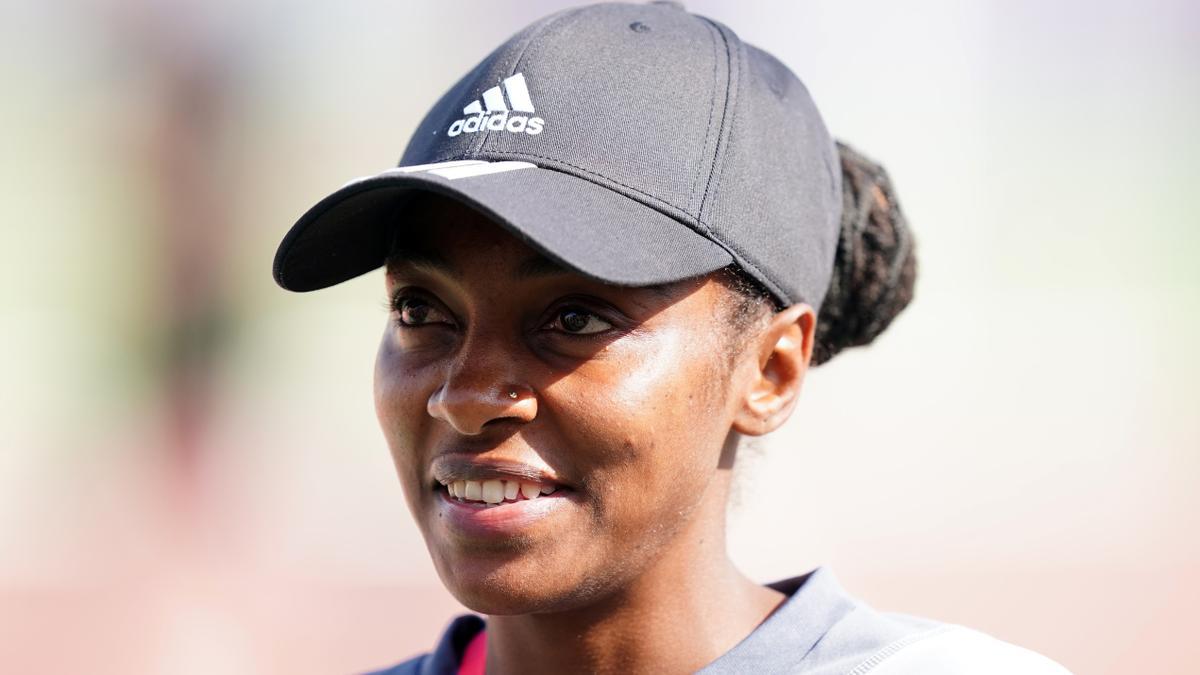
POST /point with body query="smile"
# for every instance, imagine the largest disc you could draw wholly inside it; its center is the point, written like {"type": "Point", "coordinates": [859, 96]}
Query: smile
{"type": "Point", "coordinates": [495, 492]}
{"type": "Point", "coordinates": [476, 518]}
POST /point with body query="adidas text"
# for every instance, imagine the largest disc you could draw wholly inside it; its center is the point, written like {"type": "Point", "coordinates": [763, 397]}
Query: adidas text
{"type": "Point", "coordinates": [493, 113]}
{"type": "Point", "coordinates": [497, 122]}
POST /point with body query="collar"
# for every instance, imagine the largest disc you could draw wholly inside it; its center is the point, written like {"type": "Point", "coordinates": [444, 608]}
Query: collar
{"type": "Point", "coordinates": [816, 601]}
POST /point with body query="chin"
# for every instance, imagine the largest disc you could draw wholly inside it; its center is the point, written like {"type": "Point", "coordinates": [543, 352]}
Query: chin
{"type": "Point", "coordinates": [502, 587]}
{"type": "Point", "coordinates": [500, 591]}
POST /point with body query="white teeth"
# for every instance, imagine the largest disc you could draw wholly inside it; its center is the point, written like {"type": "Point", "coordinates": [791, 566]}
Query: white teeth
{"type": "Point", "coordinates": [473, 490]}
{"type": "Point", "coordinates": [495, 491]}
{"type": "Point", "coordinates": [492, 491]}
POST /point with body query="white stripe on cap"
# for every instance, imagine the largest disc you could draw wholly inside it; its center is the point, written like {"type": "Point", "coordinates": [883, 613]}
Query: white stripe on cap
{"type": "Point", "coordinates": [416, 167]}
{"type": "Point", "coordinates": [452, 170]}
{"type": "Point", "coordinates": [456, 172]}
{"type": "Point", "coordinates": [436, 165]}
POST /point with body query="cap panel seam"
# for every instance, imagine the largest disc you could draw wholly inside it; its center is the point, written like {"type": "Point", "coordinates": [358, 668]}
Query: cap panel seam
{"type": "Point", "coordinates": [712, 105]}
{"type": "Point", "coordinates": [516, 66]}
{"type": "Point", "coordinates": [727, 119]}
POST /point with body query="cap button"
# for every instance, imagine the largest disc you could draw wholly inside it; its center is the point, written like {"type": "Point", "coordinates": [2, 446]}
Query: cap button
{"type": "Point", "coordinates": [669, 3]}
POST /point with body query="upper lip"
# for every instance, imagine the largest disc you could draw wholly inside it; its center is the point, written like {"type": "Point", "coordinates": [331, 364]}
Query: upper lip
{"type": "Point", "coordinates": [454, 467]}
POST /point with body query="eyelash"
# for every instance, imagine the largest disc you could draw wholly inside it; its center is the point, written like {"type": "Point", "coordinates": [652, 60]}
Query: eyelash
{"type": "Point", "coordinates": [398, 305]}
{"type": "Point", "coordinates": [398, 301]}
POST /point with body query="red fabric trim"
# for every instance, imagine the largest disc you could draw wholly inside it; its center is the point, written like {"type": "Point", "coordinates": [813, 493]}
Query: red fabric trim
{"type": "Point", "coordinates": [474, 655]}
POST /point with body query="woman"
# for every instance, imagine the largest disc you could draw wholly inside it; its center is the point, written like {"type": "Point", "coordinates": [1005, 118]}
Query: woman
{"type": "Point", "coordinates": [605, 249]}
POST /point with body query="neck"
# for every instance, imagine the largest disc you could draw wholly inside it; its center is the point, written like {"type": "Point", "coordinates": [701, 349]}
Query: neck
{"type": "Point", "coordinates": [685, 610]}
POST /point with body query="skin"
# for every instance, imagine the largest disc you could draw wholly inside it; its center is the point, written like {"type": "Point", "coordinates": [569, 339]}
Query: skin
{"type": "Point", "coordinates": [630, 396]}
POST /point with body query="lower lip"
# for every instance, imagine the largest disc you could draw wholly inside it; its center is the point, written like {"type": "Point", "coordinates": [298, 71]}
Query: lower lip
{"type": "Point", "coordinates": [506, 519]}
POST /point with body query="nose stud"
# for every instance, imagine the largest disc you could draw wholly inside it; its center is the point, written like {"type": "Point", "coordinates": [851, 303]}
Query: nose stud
{"type": "Point", "coordinates": [512, 393]}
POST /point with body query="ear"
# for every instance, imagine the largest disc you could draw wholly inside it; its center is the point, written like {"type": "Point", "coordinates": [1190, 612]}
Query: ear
{"type": "Point", "coordinates": [783, 351]}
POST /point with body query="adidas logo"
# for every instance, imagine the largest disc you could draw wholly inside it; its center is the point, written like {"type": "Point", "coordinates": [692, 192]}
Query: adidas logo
{"type": "Point", "coordinates": [494, 115]}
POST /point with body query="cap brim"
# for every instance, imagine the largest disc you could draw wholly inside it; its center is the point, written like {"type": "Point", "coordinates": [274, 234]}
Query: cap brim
{"type": "Point", "coordinates": [589, 228]}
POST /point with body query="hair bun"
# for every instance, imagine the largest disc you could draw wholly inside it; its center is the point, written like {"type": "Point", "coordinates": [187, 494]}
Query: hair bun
{"type": "Point", "coordinates": [875, 266]}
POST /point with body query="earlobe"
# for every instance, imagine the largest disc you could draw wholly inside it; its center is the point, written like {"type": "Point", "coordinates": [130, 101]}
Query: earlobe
{"type": "Point", "coordinates": [784, 351]}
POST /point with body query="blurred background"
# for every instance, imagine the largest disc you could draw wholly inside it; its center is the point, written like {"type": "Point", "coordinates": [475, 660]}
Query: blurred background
{"type": "Point", "coordinates": [191, 476]}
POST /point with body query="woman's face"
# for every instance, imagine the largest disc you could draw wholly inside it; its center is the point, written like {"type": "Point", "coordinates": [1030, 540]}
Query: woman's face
{"type": "Point", "coordinates": [497, 364]}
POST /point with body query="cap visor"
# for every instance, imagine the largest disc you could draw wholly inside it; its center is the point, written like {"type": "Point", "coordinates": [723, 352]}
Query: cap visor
{"type": "Point", "coordinates": [589, 228]}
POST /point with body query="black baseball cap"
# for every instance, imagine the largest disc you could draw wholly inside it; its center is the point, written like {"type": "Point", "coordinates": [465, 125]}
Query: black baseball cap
{"type": "Point", "coordinates": [634, 144]}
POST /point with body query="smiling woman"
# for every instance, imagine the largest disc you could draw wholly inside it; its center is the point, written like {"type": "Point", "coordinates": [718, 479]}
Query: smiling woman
{"type": "Point", "coordinates": [569, 493]}
{"type": "Point", "coordinates": [587, 320]}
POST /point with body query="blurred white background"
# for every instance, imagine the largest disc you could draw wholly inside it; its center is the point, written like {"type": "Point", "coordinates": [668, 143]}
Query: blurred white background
{"type": "Point", "coordinates": [191, 477]}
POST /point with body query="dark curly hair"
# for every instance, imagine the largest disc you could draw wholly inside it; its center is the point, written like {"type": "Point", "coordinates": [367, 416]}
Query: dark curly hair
{"type": "Point", "coordinates": [874, 269]}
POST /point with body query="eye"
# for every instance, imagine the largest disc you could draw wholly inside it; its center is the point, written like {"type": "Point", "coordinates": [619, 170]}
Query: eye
{"type": "Point", "coordinates": [578, 321]}
{"type": "Point", "coordinates": [415, 311]}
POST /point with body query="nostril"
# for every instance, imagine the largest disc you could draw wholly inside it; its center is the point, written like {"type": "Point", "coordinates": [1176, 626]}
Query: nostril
{"type": "Point", "coordinates": [468, 409]}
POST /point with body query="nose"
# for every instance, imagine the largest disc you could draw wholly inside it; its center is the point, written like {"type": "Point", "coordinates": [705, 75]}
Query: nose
{"type": "Point", "coordinates": [479, 389]}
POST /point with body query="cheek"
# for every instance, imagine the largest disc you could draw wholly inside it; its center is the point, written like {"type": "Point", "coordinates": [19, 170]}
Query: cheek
{"type": "Point", "coordinates": [654, 419]}
{"type": "Point", "coordinates": [667, 393]}
{"type": "Point", "coordinates": [400, 401]}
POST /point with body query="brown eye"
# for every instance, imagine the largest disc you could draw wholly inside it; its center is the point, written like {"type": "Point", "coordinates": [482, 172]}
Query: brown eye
{"type": "Point", "coordinates": [580, 322]}
{"type": "Point", "coordinates": [414, 311]}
